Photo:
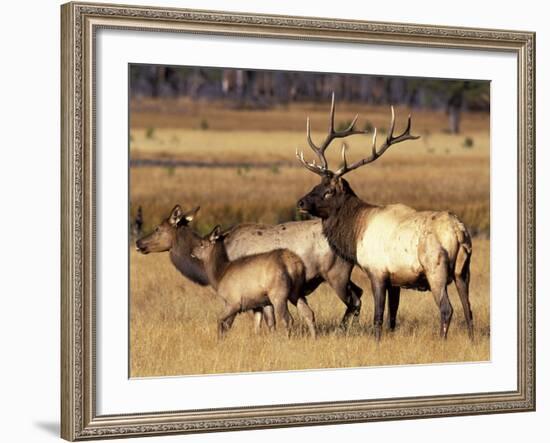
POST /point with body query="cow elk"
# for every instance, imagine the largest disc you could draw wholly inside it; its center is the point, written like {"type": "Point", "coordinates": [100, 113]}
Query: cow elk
{"type": "Point", "coordinates": [252, 282]}
{"type": "Point", "coordinates": [397, 246]}
{"type": "Point", "coordinates": [304, 238]}
{"type": "Point", "coordinates": [176, 236]}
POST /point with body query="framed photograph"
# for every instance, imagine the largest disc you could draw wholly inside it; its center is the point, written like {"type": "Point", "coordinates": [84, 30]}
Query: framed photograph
{"type": "Point", "coordinates": [277, 221]}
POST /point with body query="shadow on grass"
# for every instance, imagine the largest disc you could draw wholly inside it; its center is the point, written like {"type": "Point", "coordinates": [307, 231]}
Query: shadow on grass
{"type": "Point", "coordinates": [408, 328]}
{"type": "Point", "coordinates": [334, 329]}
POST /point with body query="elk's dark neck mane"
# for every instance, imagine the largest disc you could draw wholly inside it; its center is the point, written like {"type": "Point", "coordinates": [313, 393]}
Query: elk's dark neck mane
{"type": "Point", "coordinates": [343, 226]}
{"type": "Point", "coordinates": [217, 264]}
{"type": "Point", "coordinates": [180, 254]}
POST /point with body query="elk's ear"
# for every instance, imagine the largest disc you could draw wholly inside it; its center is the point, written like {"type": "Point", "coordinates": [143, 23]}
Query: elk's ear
{"type": "Point", "coordinates": [336, 183]}
{"type": "Point", "coordinates": [215, 234]}
{"type": "Point", "coordinates": [342, 185]}
{"type": "Point", "coordinates": [190, 215]}
{"type": "Point", "coordinates": [175, 216]}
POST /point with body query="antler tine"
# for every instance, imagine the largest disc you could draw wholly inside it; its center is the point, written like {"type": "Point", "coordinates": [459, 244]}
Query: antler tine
{"type": "Point", "coordinates": [331, 117]}
{"type": "Point", "coordinates": [374, 142]}
{"type": "Point", "coordinates": [405, 135]}
{"type": "Point", "coordinates": [351, 126]}
{"type": "Point", "coordinates": [308, 134]}
{"type": "Point", "coordinates": [376, 153]}
{"type": "Point", "coordinates": [344, 159]}
{"type": "Point", "coordinates": [408, 128]}
{"type": "Point", "coordinates": [319, 170]}
{"type": "Point", "coordinates": [318, 151]}
{"type": "Point", "coordinates": [392, 124]}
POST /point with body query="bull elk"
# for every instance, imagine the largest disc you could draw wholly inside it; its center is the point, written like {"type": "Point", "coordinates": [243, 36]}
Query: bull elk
{"type": "Point", "coordinates": [255, 281]}
{"type": "Point", "coordinates": [305, 239]}
{"type": "Point", "coordinates": [396, 246]}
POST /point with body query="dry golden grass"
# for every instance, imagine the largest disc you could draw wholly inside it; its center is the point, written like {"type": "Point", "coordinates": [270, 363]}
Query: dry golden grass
{"type": "Point", "coordinates": [173, 328]}
{"type": "Point", "coordinates": [173, 130]}
{"type": "Point", "coordinates": [173, 321]}
{"type": "Point", "coordinates": [436, 172]}
{"type": "Point", "coordinates": [280, 146]}
{"type": "Point", "coordinates": [230, 196]}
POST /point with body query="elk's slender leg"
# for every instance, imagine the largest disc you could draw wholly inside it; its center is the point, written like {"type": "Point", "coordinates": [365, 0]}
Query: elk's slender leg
{"type": "Point", "coordinates": [282, 316]}
{"type": "Point", "coordinates": [348, 292]}
{"type": "Point", "coordinates": [435, 261]}
{"type": "Point", "coordinates": [269, 317]}
{"type": "Point", "coordinates": [379, 293]}
{"type": "Point", "coordinates": [356, 294]}
{"type": "Point", "coordinates": [446, 310]}
{"type": "Point", "coordinates": [257, 320]}
{"type": "Point", "coordinates": [228, 323]}
{"type": "Point", "coordinates": [393, 304]}
{"type": "Point", "coordinates": [225, 320]}
{"type": "Point", "coordinates": [462, 282]}
{"type": "Point", "coordinates": [307, 314]}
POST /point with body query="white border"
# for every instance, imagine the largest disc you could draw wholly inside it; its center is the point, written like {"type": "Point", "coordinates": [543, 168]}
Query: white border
{"type": "Point", "coordinates": [116, 394]}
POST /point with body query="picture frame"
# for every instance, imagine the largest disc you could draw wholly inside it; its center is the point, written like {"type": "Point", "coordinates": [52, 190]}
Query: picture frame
{"type": "Point", "coordinates": [80, 24]}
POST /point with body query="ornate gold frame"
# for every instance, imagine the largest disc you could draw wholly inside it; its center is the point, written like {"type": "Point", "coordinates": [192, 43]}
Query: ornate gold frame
{"type": "Point", "coordinates": [79, 420]}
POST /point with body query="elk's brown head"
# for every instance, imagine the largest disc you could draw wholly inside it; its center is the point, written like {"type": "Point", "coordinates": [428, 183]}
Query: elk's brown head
{"type": "Point", "coordinates": [329, 196]}
{"type": "Point", "coordinates": [163, 236]}
{"type": "Point", "coordinates": [204, 249]}
{"type": "Point", "coordinates": [326, 197]}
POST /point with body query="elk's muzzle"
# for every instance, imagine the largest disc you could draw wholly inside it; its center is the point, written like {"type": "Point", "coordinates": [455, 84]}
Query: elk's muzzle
{"type": "Point", "coordinates": [140, 247]}
{"type": "Point", "coordinates": [304, 205]}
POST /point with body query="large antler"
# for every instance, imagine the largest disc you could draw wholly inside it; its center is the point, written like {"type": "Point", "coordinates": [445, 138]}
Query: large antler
{"type": "Point", "coordinates": [322, 168]}
{"type": "Point", "coordinates": [390, 140]}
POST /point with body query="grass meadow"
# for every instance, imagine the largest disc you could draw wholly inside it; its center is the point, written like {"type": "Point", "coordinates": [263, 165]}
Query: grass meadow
{"type": "Point", "coordinates": [173, 321]}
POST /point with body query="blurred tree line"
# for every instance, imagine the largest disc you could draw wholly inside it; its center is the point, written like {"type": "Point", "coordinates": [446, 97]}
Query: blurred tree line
{"type": "Point", "coordinates": [262, 89]}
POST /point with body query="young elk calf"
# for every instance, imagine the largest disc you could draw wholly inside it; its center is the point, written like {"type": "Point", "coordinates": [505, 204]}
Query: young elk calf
{"type": "Point", "coordinates": [255, 281]}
